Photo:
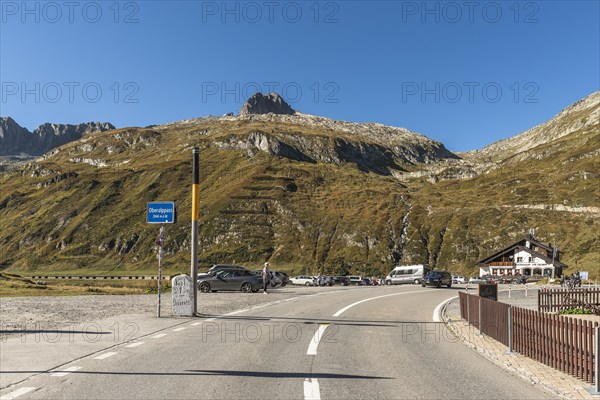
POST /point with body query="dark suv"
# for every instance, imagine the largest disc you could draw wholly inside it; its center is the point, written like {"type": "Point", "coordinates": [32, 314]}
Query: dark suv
{"type": "Point", "coordinates": [437, 279]}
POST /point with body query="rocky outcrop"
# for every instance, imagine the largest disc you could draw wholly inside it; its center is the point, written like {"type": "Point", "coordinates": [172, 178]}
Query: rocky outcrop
{"type": "Point", "coordinates": [367, 156]}
{"type": "Point", "coordinates": [15, 140]}
{"type": "Point", "coordinates": [580, 116]}
{"type": "Point", "coordinates": [260, 103]}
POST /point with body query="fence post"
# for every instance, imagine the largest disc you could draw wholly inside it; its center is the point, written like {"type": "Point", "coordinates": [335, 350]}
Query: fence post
{"type": "Point", "coordinates": [510, 331]}
{"type": "Point", "coordinates": [480, 318]}
{"type": "Point", "coordinates": [468, 310]}
{"type": "Point", "coordinates": [596, 389]}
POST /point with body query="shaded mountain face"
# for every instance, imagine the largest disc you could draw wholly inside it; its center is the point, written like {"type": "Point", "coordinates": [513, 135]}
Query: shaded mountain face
{"type": "Point", "coordinates": [15, 139]}
{"type": "Point", "coordinates": [308, 193]}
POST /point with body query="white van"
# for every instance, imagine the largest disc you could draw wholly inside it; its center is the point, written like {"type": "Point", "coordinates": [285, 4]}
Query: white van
{"type": "Point", "coordinates": [407, 274]}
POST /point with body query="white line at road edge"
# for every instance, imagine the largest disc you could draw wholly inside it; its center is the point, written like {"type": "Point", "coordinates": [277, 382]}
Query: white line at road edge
{"type": "Point", "coordinates": [135, 344]}
{"type": "Point", "coordinates": [178, 329]}
{"type": "Point", "coordinates": [436, 311]}
{"type": "Point", "coordinates": [314, 343]}
{"type": "Point", "coordinates": [65, 371]}
{"type": "Point", "coordinates": [337, 314]}
{"type": "Point", "coordinates": [105, 355]}
{"type": "Point", "coordinates": [17, 393]}
{"type": "Point", "coordinates": [311, 389]}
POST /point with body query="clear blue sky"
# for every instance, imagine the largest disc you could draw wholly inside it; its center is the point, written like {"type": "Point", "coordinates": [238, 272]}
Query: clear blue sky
{"type": "Point", "coordinates": [466, 75]}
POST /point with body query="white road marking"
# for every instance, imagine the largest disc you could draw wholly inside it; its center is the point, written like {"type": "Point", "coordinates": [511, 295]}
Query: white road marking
{"type": "Point", "coordinates": [159, 336]}
{"type": "Point", "coordinates": [16, 393]}
{"type": "Point", "coordinates": [436, 311]}
{"type": "Point", "coordinates": [65, 371]}
{"type": "Point", "coordinates": [136, 344]}
{"type": "Point", "coordinates": [178, 329]}
{"type": "Point", "coordinates": [311, 389]}
{"type": "Point", "coordinates": [337, 314]}
{"type": "Point", "coordinates": [105, 355]}
{"type": "Point", "coordinates": [314, 343]}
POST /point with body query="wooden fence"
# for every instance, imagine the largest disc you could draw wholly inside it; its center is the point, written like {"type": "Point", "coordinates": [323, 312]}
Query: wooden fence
{"type": "Point", "coordinates": [560, 342]}
{"type": "Point", "coordinates": [551, 300]}
{"type": "Point", "coordinates": [563, 343]}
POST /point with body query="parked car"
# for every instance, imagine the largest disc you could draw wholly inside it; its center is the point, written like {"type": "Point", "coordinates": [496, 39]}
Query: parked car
{"type": "Point", "coordinates": [437, 279]}
{"type": "Point", "coordinates": [367, 282]}
{"type": "Point", "coordinates": [305, 280]}
{"type": "Point", "coordinates": [459, 279]}
{"type": "Point", "coordinates": [230, 279]}
{"type": "Point", "coordinates": [280, 278]}
{"type": "Point", "coordinates": [341, 280]}
{"type": "Point", "coordinates": [355, 280]}
{"type": "Point", "coordinates": [475, 280]}
{"type": "Point", "coordinates": [407, 274]}
{"type": "Point", "coordinates": [277, 277]}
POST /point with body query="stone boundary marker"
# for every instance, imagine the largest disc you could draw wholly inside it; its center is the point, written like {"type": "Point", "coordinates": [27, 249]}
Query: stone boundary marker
{"type": "Point", "coordinates": [86, 277]}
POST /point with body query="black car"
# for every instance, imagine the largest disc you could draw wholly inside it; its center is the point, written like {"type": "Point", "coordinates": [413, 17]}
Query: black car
{"type": "Point", "coordinates": [437, 279]}
{"type": "Point", "coordinates": [230, 279]}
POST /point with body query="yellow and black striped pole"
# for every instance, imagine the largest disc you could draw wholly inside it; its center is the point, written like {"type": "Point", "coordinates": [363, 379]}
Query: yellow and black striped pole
{"type": "Point", "coordinates": [195, 218]}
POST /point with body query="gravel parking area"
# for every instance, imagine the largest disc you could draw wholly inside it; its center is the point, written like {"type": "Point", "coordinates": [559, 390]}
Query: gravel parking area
{"type": "Point", "coordinates": [60, 311]}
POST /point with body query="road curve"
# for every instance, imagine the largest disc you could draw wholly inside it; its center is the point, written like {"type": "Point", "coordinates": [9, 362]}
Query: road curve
{"type": "Point", "coordinates": [381, 343]}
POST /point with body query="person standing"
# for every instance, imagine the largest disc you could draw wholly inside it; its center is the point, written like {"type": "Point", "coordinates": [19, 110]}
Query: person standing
{"type": "Point", "coordinates": [266, 276]}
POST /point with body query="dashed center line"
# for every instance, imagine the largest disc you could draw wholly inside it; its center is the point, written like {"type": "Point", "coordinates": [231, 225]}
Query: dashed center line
{"type": "Point", "coordinates": [136, 344]}
{"type": "Point", "coordinates": [159, 336]}
{"type": "Point", "coordinates": [65, 372]}
{"type": "Point", "coordinates": [105, 355]}
{"type": "Point", "coordinates": [17, 393]}
{"type": "Point", "coordinates": [179, 329]}
{"type": "Point", "coordinates": [311, 389]}
{"type": "Point", "coordinates": [314, 343]}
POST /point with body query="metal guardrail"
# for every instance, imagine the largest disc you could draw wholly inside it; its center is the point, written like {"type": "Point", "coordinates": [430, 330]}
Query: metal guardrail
{"type": "Point", "coordinates": [97, 277]}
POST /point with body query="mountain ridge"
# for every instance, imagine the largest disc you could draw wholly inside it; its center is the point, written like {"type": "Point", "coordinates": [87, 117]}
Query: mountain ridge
{"type": "Point", "coordinates": [301, 191]}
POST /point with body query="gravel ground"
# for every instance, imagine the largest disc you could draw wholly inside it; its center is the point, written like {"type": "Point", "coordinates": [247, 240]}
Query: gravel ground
{"type": "Point", "coordinates": [15, 312]}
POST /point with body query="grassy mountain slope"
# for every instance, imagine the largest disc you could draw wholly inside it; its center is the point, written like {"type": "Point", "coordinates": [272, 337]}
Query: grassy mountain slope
{"type": "Point", "coordinates": [307, 193]}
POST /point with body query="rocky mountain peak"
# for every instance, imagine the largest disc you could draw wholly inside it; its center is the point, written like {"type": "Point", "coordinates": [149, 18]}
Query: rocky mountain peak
{"type": "Point", "coordinates": [15, 139]}
{"type": "Point", "coordinates": [260, 103]}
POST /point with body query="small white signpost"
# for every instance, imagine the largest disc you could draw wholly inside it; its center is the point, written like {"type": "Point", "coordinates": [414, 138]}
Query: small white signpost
{"type": "Point", "coordinates": [162, 212]}
{"type": "Point", "coordinates": [183, 295]}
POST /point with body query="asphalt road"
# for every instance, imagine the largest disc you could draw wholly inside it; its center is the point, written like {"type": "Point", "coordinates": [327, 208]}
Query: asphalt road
{"type": "Point", "coordinates": [349, 344]}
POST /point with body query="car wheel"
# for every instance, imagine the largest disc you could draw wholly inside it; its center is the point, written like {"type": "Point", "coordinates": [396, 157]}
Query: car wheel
{"type": "Point", "coordinates": [246, 287]}
{"type": "Point", "coordinates": [204, 287]}
{"type": "Point", "coordinates": [307, 284]}
{"type": "Point", "coordinates": [449, 285]}
{"type": "Point", "coordinates": [439, 284]}
{"type": "Point", "coordinates": [423, 284]}
{"type": "Point", "coordinates": [388, 282]}
{"type": "Point", "coordinates": [417, 281]}
{"type": "Point", "coordinates": [283, 284]}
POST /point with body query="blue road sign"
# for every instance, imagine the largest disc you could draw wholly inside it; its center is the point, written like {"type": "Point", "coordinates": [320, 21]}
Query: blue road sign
{"type": "Point", "coordinates": [161, 212]}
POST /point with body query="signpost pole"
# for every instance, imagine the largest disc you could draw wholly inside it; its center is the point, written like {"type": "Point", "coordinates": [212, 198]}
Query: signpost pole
{"type": "Point", "coordinates": [195, 217]}
{"type": "Point", "coordinates": [160, 240]}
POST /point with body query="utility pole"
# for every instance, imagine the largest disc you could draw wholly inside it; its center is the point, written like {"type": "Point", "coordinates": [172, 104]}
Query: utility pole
{"type": "Point", "coordinates": [195, 218]}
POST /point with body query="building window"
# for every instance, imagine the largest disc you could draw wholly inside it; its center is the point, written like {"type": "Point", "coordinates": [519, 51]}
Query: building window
{"type": "Point", "coordinates": [519, 259]}
{"type": "Point", "coordinates": [530, 259]}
